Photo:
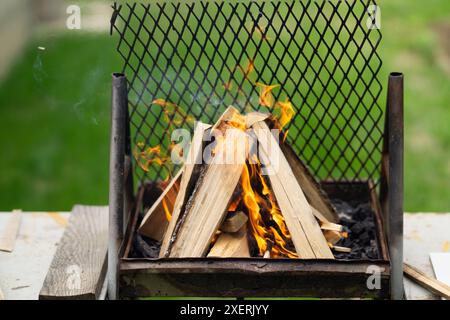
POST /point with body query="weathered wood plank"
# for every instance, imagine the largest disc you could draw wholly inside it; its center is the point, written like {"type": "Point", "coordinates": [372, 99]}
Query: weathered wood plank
{"type": "Point", "coordinates": [305, 231]}
{"type": "Point", "coordinates": [212, 198]}
{"type": "Point", "coordinates": [10, 232]}
{"type": "Point", "coordinates": [231, 245]}
{"type": "Point", "coordinates": [311, 188]}
{"type": "Point", "coordinates": [194, 158]}
{"type": "Point", "coordinates": [155, 222]}
{"type": "Point", "coordinates": [78, 268]}
{"type": "Point", "coordinates": [435, 286]}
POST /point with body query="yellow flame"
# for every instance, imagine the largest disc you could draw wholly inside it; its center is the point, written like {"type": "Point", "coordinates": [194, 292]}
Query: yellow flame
{"type": "Point", "coordinates": [265, 94]}
{"type": "Point", "coordinates": [287, 112]}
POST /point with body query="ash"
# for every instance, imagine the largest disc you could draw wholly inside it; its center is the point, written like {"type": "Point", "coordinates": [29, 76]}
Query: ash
{"type": "Point", "coordinates": [358, 220]}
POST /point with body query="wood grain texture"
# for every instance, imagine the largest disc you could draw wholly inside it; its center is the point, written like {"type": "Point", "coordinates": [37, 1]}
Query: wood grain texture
{"type": "Point", "coordinates": [194, 158]}
{"type": "Point", "coordinates": [305, 231]}
{"type": "Point", "coordinates": [234, 223]}
{"type": "Point", "coordinates": [311, 188]}
{"type": "Point", "coordinates": [231, 245]}
{"type": "Point", "coordinates": [78, 267]}
{"type": "Point", "coordinates": [155, 223]}
{"type": "Point", "coordinates": [9, 233]}
{"type": "Point", "coordinates": [435, 286]}
{"type": "Point", "coordinates": [212, 198]}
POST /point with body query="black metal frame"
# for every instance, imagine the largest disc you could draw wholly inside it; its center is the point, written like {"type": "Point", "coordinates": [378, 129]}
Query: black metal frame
{"type": "Point", "coordinates": [128, 102]}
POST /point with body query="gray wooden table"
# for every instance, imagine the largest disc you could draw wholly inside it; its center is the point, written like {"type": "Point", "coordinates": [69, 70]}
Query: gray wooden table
{"type": "Point", "coordinates": [23, 271]}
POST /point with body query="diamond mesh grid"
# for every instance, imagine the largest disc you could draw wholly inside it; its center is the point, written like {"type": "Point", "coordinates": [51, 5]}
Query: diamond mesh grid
{"type": "Point", "coordinates": [205, 55]}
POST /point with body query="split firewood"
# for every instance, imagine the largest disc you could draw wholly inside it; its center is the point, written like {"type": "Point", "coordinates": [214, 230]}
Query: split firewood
{"type": "Point", "coordinates": [331, 226]}
{"type": "Point", "coordinates": [254, 117]}
{"type": "Point", "coordinates": [155, 222]}
{"type": "Point", "coordinates": [213, 196]}
{"type": "Point", "coordinates": [341, 249]}
{"type": "Point", "coordinates": [315, 195]}
{"type": "Point", "coordinates": [229, 113]}
{"type": "Point", "coordinates": [435, 286]}
{"type": "Point", "coordinates": [305, 231]}
{"type": "Point", "coordinates": [231, 245]}
{"type": "Point", "coordinates": [193, 159]}
{"type": "Point", "coordinates": [332, 236]}
{"type": "Point", "coordinates": [235, 222]}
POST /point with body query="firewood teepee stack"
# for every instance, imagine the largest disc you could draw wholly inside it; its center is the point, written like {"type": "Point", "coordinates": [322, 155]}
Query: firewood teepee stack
{"type": "Point", "coordinates": [253, 198]}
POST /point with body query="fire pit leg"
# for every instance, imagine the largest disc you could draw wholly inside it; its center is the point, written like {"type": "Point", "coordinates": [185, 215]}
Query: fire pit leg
{"type": "Point", "coordinates": [395, 182]}
{"type": "Point", "coordinates": [116, 179]}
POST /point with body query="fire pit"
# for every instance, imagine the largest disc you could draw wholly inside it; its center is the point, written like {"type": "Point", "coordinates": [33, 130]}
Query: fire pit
{"type": "Point", "coordinates": [308, 68]}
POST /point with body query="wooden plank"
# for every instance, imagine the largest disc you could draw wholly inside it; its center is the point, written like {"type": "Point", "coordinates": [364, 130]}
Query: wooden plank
{"type": "Point", "coordinates": [212, 197]}
{"type": "Point", "coordinates": [234, 223]}
{"type": "Point", "coordinates": [193, 159]}
{"type": "Point", "coordinates": [433, 285]}
{"type": "Point", "coordinates": [441, 266]}
{"type": "Point", "coordinates": [231, 245]}
{"type": "Point", "coordinates": [10, 232]}
{"type": "Point", "coordinates": [315, 195]}
{"type": "Point", "coordinates": [78, 267]}
{"type": "Point", "coordinates": [155, 222]}
{"type": "Point", "coordinates": [305, 231]}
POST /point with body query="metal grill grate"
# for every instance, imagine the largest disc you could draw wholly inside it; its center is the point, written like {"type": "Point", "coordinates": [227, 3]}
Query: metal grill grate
{"type": "Point", "coordinates": [206, 55]}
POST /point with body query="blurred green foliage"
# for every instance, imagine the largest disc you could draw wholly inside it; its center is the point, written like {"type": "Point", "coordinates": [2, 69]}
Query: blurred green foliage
{"type": "Point", "coordinates": [54, 112]}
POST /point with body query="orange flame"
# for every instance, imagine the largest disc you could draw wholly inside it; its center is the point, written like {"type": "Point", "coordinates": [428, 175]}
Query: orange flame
{"type": "Point", "coordinates": [149, 156]}
{"type": "Point", "coordinates": [286, 112]}
{"type": "Point", "coordinates": [275, 236]}
{"type": "Point", "coordinates": [173, 113]}
{"type": "Point", "coordinates": [265, 94]}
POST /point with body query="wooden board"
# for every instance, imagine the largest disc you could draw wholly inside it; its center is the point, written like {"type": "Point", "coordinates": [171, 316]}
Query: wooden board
{"type": "Point", "coordinates": [154, 224]}
{"type": "Point", "coordinates": [212, 198]}
{"type": "Point", "coordinates": [311, 188]}
{"type": "Point", "coordinates": [305, 231]}
{"type": "Point", "coordinates": [10, 232]}
{"type": "Point", "coordinates": [231, 245]}
{"type": "Point", "coordinates": [194, 157]}
{"type": "Point", "coordinates": [435, 286]}
{"type": "Point", "coordinates": [78, 267]}
{"type": "Point", "coordinates": [441, 266]}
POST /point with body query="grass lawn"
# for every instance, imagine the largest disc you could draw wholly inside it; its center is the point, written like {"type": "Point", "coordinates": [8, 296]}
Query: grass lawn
{"type": "Point", "coordinates": [54, 112]}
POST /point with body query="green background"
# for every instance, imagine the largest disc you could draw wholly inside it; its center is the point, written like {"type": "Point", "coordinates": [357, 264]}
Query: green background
{"type": "Point", "coordinates": [54, 111]}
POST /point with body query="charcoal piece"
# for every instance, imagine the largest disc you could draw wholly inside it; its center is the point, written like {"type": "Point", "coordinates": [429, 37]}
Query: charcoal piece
{"type": "Point", "coordinates": [146, 247]}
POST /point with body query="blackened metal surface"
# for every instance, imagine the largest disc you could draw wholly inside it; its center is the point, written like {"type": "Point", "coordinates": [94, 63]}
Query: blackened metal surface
{"type": "Point", "coordinates": [116, 178]}
{"type": "Point", "coordinates": [252, 278]}
{"type": "Point", "coordinates": [206, 55]}
{"type": "Point", "coordinates": [395, 184]}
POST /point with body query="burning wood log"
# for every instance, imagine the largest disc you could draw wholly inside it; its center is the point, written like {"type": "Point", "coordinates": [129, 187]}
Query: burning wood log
{"type": "Point", "coordinates": [155, 222]}
{"type": "Point", "coordinates": [306, 235]}
{"type": "Point", "coordinates": [311, 188]}
{"type": "Point", "coordinates": [193, 159]}
{"type": "Point", "coordinates": [212, 197]}
{"type": "Point", "coordinates": [231, 245]}
{"type": "Point", "coordinates": [235, 222]}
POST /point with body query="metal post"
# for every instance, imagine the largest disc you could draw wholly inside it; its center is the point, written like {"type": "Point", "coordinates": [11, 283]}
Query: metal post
{"type": "Point", "coordinates": [395, 196]}
{"type": "Point", "coordinates": [116, 179]}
